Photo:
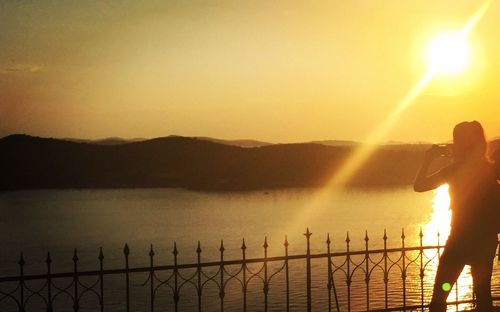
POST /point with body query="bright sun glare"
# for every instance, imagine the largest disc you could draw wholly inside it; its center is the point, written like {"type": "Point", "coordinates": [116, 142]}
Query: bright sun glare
{"type": "Point", "coordinates": [448, 53]}
{"type": "Point", "coordinates": [441, 217]}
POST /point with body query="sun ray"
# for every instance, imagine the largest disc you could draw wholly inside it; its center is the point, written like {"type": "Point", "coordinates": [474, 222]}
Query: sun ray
{"type": "Point", "coordinates": [478, 15]}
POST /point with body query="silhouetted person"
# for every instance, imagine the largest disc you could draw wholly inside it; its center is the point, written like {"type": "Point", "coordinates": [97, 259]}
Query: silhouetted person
{"type": "Point", "coordinates": [473, 236]}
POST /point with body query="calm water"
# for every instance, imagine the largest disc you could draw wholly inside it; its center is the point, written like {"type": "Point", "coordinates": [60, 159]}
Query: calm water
{"type": "Point", "coordinates": [59, 220]}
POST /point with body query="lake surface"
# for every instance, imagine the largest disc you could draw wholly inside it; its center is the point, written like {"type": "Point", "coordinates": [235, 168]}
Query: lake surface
{"type": "Point", "coordinates": [58, 221]}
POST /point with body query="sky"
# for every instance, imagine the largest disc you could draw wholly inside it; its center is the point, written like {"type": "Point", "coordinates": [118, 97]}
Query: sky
{"type": "Point", "coordinates": [276, 71]}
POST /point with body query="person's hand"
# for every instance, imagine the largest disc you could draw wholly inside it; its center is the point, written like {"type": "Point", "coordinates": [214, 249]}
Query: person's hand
{"type": "Point", "coordinates": [434, 152]}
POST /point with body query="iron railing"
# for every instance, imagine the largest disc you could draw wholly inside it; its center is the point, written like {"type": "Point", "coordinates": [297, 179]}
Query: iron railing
{"type": "Point", "coordinates": [347, 273]}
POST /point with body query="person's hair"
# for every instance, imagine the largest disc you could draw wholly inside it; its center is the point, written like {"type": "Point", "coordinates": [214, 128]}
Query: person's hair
{"type": "Point", "coordinates": [469, 141]}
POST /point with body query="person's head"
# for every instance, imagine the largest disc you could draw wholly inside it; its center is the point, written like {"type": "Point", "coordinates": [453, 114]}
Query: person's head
{"type": "Point", "coordinates": [469, 141]}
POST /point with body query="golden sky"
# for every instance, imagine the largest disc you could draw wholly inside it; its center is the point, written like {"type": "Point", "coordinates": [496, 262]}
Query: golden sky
{"type": "Point", "coordinates": [278, 71]}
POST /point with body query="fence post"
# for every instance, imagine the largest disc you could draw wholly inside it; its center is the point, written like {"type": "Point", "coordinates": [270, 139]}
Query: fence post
{"type": "Point", "coordinates": [151, 278]}
{"type": "Point", "coordinates": [287, 282]}
{"type": "Point", "coordinates": [198, 272]}
{"type": "Point", "coordinates": [244, 270]}
{"type": "Point", "coordinates": [367, 273]}
{"type": "Point", "coordinates": [76, 306]}
{"type": "Point", "coordinates": [331, 280]}
{"type": "Point", "coordinates": [403, 271]}
{"type": "Point", "coordinates": [266, 282]}
{"type": "Point", "coordinates": [386, 273]}
{"type": "Point", "coordinates": [308, 262]}
{"type": "Point", "coordinates": [348, 274]}
{"type": "Point", "coordinates": [421, 250]}
{"type": "Point", "coordinates": [176, 278]}
{"type": "Point", "coordinates": [21, 282]}
{"type": "Point", "coordinates": [49, 283]}
{"type": "Point", "coordinates": [101, 278]}
{"type": "Point", "coordinates": [221, 292]}
{"type": "Point", "coordinates": [126, 252]}
{"type": "Point", "coordinates": [329, 284]}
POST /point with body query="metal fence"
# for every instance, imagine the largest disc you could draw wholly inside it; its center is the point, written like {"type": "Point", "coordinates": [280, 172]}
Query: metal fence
{"type": "Point", "coordinates": [390, 266]}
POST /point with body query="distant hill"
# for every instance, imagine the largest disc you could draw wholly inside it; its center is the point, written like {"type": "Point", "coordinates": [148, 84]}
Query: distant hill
{"type": "Point", "coordinates": [336, 142]}
{"type": "Point", "coordinates": [106, 141]}
{"type": "Point", "coordinates": [28, 162]}
{"type": "Point", "coordinates": [240, 143]}
{"type": "Point", "coordinates": [119, 141]}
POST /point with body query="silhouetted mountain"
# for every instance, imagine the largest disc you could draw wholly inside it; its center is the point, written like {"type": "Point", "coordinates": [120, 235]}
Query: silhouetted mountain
{"type": "Point", "coordinates": [119, 141]}
{"type": "Point", "coordinates": [28, 162]}
{"type": "Point", "coordinates": [106, 141]}
{"type": "Point", "coordinates": [336, 142]}
{"type": "Point", "coordinates": [240, 143]}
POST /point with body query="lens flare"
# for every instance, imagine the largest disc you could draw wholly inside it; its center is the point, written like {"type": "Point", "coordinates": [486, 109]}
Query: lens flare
{"type": "Point", "coordinates": [446, 286]}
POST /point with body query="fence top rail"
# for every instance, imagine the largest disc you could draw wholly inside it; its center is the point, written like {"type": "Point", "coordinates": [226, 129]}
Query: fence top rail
{"type": "Point", "coordinates": [213, 263]}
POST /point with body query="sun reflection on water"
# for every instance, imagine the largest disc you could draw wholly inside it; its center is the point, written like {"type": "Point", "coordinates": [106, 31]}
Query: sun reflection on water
{"type": "Point", "coordinates": [440, 218]}
{"type": "Point", "coordinates": [440, 223]}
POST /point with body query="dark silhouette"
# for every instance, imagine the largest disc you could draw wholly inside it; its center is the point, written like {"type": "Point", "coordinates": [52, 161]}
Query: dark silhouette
{"type": "Point", "coordinates": [473, 189]}
{"type": "Point", "coordinates": [28, 162]}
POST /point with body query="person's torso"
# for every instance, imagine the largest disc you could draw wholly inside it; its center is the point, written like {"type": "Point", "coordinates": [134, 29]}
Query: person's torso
{"type": "Point", "coordinates": [472, 189]}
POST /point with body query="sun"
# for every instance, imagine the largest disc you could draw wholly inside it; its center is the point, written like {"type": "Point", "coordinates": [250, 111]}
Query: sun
{"type": "Point", "coordinates": [448, 53]}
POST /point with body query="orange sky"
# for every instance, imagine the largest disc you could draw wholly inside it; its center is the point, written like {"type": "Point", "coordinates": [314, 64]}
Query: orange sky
{"type": "Point", "coordinates": [279, 71]}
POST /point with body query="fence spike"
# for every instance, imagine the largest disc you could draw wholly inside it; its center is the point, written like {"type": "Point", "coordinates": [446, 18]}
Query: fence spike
{"type": "Point", "coordinates": [421, 234]}
{"type": "Point", "coordinates": [347, 239]}
{"type": "Point", "coordinates": [221, 249]}
{"type": "Point", "coordinates": [48, 260]}
{"type": "Point", "coordinates": [75, 256]}
{"type": "Point", "coordinates": [307, 233]}
{"type": "Point", "coordinates": [286, 242]}
{"type": "Point", "coordinates": [101, 255]}
{"type": "Point", "coordinates": [151, 251]}
{"type": "Point", "coordinates": [243, 246]}
{"type": "Point", "coordinates": [198, 250]}
{"type": "Point", "coordinates": [175, 251]}
{"type": "Point", "coordinates": [328, 241]}
{"type": "Point", "coordinates": [403, 233]}
{"type": "Point", "coordinates": [126, 250]}
{"type": "Point", "coordinates": [265, 243]}
{"type": "Point", "coordinates": [366, 236]}
{"type": "Point", "coordinates": [385, 235]}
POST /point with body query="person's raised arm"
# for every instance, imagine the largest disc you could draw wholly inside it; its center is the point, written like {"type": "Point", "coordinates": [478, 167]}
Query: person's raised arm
{"type": "Point", "coordinates": [424, 182]}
